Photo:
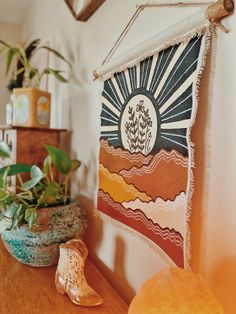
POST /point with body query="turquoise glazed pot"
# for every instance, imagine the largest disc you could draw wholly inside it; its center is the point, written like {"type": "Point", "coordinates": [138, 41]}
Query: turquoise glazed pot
{"type": "Point", "coordinates": [40, 246]}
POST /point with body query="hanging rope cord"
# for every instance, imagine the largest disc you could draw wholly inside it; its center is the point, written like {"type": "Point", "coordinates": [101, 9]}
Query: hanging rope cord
{"type": "Point", "coordinates": [218, 10]}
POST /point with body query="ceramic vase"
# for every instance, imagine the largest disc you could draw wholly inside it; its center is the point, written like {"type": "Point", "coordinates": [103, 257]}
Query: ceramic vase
{"type": "Point", "coordinates": [31, 107]}
{"type": "Point", "coordinates": [40, 246]}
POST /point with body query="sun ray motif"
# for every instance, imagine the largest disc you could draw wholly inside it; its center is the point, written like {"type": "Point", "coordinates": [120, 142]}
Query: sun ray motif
{"type": "Point", "coordinates": [125, 84]}
{"type": "Point", "coordinates": [108, 113]}
{"type": "Point", "coordinates": [170, 68]}
{"type": "Point", "coordinates": [178, 93]}
{"type": "Point", "coordinates": [177, 143]}
{"type": "Point", "coordinates": [107, 128]}
{"type": "Point", "coordinates": [128, 80]}
{"type": "Point", "coordinates": [110, 106]}
{"type": "Point", "coordinates": [164, 82]}
{"type": "Point", "coordinates": [138, 69]}
{"type": "Point", "coordinates": [118, 90]}
{"type": "Point", "coordinates": [175, 107]}
{"type": "Point", "coordinates": [145, 68]}
{"type": "Point", "coordinates": [120, 82]}
{"type": "Point", "coordinates": [114, 93]}
{"type": "Point", "coordinates": [181, 78]}
{"type": "Point", "coordinates": [132, 73]}
{"type": "Point", "coordinates": [185, 53]}
{"type": "Point", "coordinates": [154, 77]}
{"type": "Point", "coordinates": [153, 65]}
{"type": "Point", "coordinates": [113, 101]}
{"type": "Point", "coordinates": [177, 124]}
{"type": "Point", "coordinates": [110, 120]}
{"type": "Point", "coordinates": [177, 114]}
{"type": "Point", "coordinates": [166, 58]}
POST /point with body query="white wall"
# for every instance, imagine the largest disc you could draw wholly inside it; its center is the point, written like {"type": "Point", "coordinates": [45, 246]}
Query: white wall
{"type": "Point", "coordinates": [126, 260]}
{"type": "Point", "coordinates": [12, 33]}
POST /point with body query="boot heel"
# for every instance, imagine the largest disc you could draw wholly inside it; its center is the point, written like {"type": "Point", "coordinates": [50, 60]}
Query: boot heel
{"type": "Point", "coordinates": [60, 289]}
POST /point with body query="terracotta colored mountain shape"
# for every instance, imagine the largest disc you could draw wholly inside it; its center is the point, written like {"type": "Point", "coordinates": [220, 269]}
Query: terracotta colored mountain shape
{"type": "Point", "coordinates": [166, 175]}
{"type": "Point", "coordinates": [170, 241]}
{"type": "Point", "coordinates": [119, 190]}
{"type": "Point", "coordinates": [168, 213]}
{"type": "Point", "coordinates": [116, 159]}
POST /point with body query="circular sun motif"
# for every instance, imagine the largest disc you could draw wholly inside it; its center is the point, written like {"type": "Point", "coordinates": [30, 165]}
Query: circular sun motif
{"type": "Point", "coordinates": [139, 125]}
{"type": "Point", "coordinates": [149, 106]}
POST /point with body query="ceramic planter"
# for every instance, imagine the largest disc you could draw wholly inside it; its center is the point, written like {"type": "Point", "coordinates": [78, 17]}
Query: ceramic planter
{"type": "Point", "coordinates": [40, 246]}
{"type": "Point", "coordinates": [31, 107]}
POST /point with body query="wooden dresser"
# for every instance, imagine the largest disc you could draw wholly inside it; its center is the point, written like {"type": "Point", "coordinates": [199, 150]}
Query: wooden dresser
{"type": "Point", "coordinates": [29, 290]}
{"type": "Point", "coordinates": [27, 144]}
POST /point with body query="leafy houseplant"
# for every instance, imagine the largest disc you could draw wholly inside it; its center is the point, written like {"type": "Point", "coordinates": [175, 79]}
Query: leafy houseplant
{"type": "Point", "coordinates": [31, 106]}
{"type": "Point", "coordinates": [38, 215]}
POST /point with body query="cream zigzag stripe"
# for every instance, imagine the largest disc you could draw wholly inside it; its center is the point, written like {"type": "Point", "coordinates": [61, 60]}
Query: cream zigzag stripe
{"type": "Point", "coordinates": [168, 213]}
{"type": "Point", "coordinates": [159, 204]}
{"type": "Point", "coordinates": [129, 188]}
{"type": "Point", "coordinates": [165, 234]}
{"type": "Point", "coordinates": [156, 160]}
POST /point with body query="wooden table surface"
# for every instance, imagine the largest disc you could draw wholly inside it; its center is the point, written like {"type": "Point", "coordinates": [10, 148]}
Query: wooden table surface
{"type": "Point", "coordinates": [30, 290]}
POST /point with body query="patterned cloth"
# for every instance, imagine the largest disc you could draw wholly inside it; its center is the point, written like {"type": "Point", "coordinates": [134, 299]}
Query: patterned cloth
{"type": "Point", "coordinates": [145, 149]}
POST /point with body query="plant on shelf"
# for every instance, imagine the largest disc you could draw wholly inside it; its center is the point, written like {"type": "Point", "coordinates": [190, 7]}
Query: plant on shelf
{"type": "Point", "coordinates": [31, 106]}
{"type": "Point", "coordinates": [25, 74]}
{"type": "Point", "coordinates": [38, 213]}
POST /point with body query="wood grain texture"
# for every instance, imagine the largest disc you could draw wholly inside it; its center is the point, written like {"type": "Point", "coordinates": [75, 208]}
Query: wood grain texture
{"type": "Point", "coordinates": [29, 290]}
{"type": "Point", "coordinates": [87, 11]}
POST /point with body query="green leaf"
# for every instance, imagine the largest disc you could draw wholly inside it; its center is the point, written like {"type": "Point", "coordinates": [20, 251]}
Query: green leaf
{"type": "Point", "coordinates": [30, 216]}
{"type": "Point", "coordinates": [59, 158]}
{"type": "Point", "coordinates": [15, 169]}
{"type": "Point", "coordinates": [3, 177]}
{"type": "Point", "coordinates": [5, 44]}
{"type": "Point", "coordinates": [11, 210]}
{"type": "Point", "coordinates": [18, 217]}
{"type": "Point", "coordinates": [47, 164]}
{"type": "Point", "coordinates": [58, 54]}
{"type": "Point", "coordinates": [4, 150]}
{"type": "Point", "coordinates": [25, 195]}
{"type": "Point", "coordinates": [50, 195]}
{"type": "Point", "coordinates": [36, 175]}
{"type": "Point", "coordinates": [10, 55]}
{"type": "Point", "coordinates": [75, 164]}
{"type": "Point", "coordinates": [3, 194]}
{"type": "Point", "coordinates": [2, 181]}
{"type": "Point", "coordinates": [2, 49]}
{"type": "Point", "coordinates": [57, 75]}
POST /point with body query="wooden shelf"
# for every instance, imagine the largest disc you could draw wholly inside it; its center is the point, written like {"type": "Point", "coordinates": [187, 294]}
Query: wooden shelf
{"type": "Point", "coordinates": [29, 290]}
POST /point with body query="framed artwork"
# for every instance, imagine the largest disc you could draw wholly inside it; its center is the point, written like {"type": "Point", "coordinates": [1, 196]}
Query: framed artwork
{"type": "Point", "coordinates": [83, 9]}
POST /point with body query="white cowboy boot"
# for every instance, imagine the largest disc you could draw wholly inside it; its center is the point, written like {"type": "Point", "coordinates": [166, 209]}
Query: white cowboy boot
{"type": "Point", "coordinates": [70, 278]}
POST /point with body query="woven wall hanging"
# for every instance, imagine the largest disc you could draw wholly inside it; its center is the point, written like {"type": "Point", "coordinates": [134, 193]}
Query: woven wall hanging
{"type": "Point", "coordinates": [149, 105]}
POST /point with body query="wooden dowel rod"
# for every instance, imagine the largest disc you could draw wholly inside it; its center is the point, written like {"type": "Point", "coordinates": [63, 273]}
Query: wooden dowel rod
{"type": "Point", "coordinates": [219, 9]}
{"type": "Point", "coordinates": [214, 12]}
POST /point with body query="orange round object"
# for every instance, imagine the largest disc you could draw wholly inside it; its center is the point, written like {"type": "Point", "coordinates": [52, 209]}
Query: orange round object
{"type": "Point", "coordinates": [175, 291]}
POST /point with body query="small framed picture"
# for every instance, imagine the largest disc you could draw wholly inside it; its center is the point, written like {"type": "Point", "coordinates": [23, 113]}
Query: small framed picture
{"type": "Point", "coordinates": [83, 9]}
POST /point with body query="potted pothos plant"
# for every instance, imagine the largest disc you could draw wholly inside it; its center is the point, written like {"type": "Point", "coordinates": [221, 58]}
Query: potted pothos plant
{"type": "Point", "coordinates": [37, 214]}
{"type": "Point", "coordinates": [31, 105]}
